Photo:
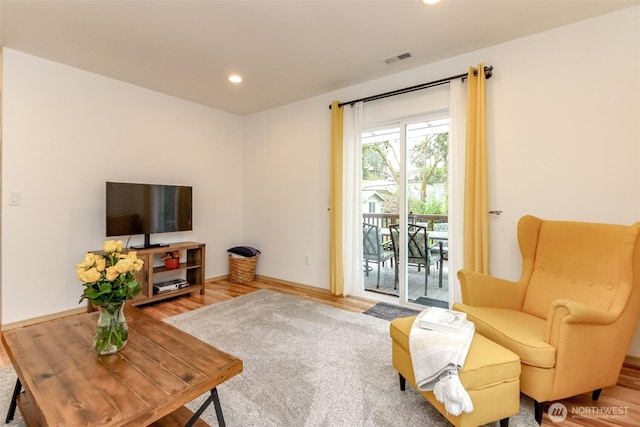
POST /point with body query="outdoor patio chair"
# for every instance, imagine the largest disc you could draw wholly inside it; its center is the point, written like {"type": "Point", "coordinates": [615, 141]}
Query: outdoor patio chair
{"type": "Point", "coordinates": [372, 249]}
{"type": "Point", "coordinates": [418, 252]}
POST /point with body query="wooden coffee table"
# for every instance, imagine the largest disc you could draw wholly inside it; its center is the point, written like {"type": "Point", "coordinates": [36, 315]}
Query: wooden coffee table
{"type": "Point", "coordinates": [65, 383]}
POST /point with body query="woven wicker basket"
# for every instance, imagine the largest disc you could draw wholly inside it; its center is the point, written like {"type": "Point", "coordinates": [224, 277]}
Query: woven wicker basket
{"type": "Point", "coordinates": [241, 269]}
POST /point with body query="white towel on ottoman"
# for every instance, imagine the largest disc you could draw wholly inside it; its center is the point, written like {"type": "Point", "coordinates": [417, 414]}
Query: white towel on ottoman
{"type": "Point", "coordinates": [436, 357]}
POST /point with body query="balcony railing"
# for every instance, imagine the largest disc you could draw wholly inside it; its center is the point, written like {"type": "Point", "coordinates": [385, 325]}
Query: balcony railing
{"type": "Point", "coordinates": [383, 220]}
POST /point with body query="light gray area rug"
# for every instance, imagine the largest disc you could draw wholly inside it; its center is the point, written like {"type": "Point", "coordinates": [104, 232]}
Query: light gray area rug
{"type": "Point", "coordinates": [7, 384]}
{"type": "Point", "coordinates": [305, 364]}
{"type": "Point", "coordinates": [308, 364]}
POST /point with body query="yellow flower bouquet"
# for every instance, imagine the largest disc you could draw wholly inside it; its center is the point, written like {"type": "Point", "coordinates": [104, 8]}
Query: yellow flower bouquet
{"type": "Point", "coordinates": [109, 281]}
{"type": "Point", "coordinates": [109, 278]}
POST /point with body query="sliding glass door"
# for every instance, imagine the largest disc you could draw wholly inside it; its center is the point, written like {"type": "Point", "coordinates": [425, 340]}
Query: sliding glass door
{"type": "Point", "coordinates": [405, 203]}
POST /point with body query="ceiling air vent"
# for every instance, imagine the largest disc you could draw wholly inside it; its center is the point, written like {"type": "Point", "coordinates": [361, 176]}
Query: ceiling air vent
{"type": "Point", "coordinates": [396, 58]}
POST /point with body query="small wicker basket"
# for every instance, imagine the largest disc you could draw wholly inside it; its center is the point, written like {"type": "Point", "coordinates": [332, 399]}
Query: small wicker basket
{"type": "Point", "coordinates": [242, 269]}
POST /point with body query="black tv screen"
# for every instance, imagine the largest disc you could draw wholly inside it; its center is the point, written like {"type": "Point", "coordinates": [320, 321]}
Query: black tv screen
{"type": "Point", "coordinates": [147, 209]}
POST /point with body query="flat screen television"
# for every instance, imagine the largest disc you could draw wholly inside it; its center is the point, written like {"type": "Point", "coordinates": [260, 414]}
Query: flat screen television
{"type": "Point", "coordinates": [147, 209]}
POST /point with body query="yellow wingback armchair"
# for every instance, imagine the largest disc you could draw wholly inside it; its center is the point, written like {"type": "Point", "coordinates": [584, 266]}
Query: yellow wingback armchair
{"type": "Point", "coordinates": [572, 314]}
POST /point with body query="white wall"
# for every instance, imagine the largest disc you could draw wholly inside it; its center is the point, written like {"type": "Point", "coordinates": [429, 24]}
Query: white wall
{"type": "Point", "coordinates": [563, 129]}
{"type": "Point", "coordinates": [66, 132]}
{"type": "Point", "coordinates": [286, 197]}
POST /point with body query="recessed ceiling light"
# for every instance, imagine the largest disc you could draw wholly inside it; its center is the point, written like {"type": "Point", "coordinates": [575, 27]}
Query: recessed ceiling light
{"type": "Point", "coordinates": [234, 78]}
{"type": "Point", "coordinates": [430, 1]}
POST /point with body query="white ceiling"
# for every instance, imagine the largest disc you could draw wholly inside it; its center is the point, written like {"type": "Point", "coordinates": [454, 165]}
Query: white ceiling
{"type": "Point", "coordinates": [285, 50]}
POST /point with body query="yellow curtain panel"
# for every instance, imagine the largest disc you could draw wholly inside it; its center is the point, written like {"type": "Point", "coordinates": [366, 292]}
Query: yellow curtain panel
{"type": "Point", "coordinates": [336, 267]}
{"type": "Point", "coordinates": [476, 198]}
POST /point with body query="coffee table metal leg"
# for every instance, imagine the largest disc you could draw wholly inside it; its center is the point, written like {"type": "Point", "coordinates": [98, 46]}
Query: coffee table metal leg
{"type": "Point", "coordinates": [12, 407]}
{"type": "Point", "coordinates": [216, 404]}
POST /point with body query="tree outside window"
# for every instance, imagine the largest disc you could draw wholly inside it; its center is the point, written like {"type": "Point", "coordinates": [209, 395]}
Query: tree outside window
{"type": "Point", "coordinates": [427, 166]}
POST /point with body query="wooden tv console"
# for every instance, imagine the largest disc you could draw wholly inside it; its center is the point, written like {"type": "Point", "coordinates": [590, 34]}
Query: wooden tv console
{"type": "Point", "coordinates": [192, 263]}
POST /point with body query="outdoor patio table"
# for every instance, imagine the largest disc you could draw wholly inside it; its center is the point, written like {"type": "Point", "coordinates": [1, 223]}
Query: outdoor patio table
{"type": "Point", "coordinates": [441, 237]}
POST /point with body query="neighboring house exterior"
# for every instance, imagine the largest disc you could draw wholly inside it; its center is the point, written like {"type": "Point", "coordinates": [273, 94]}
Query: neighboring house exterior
{"type": "Point", "coordinates": [372, 201]}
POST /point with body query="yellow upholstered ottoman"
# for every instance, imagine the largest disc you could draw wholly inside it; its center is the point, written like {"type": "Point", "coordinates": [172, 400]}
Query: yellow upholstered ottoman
{"type": "Point", "coordinates": [491, 376]}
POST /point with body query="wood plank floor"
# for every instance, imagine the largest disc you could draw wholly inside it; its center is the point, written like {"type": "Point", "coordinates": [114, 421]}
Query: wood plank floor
{"type": "Point", "coordinates": [623, 399]}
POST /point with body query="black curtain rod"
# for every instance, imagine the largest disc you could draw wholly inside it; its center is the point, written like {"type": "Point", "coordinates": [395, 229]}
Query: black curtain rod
{"type": "Point", "coordinates": [488, 72]}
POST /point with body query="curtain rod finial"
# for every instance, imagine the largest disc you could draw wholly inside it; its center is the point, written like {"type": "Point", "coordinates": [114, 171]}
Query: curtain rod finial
{"type": "Point", "coordinates": [488, 71]}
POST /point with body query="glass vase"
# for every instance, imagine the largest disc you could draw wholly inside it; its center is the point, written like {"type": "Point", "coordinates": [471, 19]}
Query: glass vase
{"type": "Point", "coordinates": [111, 331]}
